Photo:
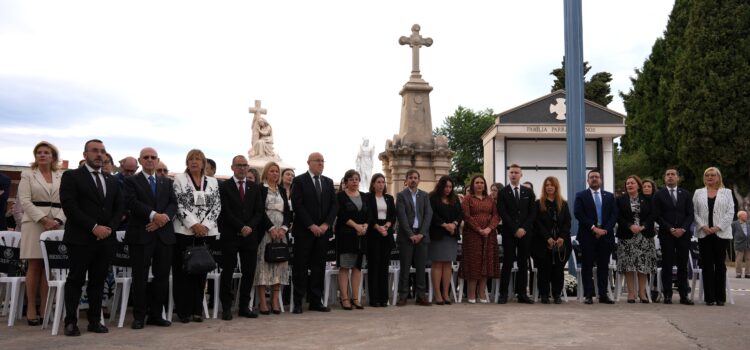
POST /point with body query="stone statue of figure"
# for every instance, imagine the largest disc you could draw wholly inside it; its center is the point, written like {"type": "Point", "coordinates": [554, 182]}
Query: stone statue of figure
{"type": "Point", "coordinates": [364, 164]}
{"type": "Point", "coordinates": [262, 139]}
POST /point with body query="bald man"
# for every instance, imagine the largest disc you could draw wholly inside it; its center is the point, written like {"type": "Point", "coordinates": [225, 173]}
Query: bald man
{"type": "Point", "coordinates": [152, 204]}
{"type": "Point", "coordinates": [315, 208]}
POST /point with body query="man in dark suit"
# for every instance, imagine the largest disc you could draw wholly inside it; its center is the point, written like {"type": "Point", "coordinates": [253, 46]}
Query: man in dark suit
{"type": "Point", "coordinates": [93, 205]}
{"type": "Point", "coordinates": [150, 238]}
{"type": "Point", "coordinates": [596, 212]}
{"type": "Point", "coordinates": [241, 213]}
{"type": "Point", "coordinates": [414, 214]}
{"type": "Point", "coordinates": [515, 204]}
{"type": "Point", "coordinates": [673, 210]}
{"type": "Point", "coordinates": [315, 208]}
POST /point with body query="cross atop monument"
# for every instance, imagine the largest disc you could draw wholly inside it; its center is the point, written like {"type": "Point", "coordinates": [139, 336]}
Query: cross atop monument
{"type": "Point", "coordinates": [415, 41]}
{"type": "Point", "coordinates": [257, 111]}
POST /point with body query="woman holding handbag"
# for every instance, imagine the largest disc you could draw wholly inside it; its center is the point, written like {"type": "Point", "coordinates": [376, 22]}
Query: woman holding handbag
{"type": "Point", "coordinates": [636, 251]}
{"type": "Point", "coordinates": [198, 208]}
{"type": "Point", "coordinates": [551, 241]}
{"type": "Point", "coordinates": [351, 227]}
{"type": "Point", "coordinates": [277, 221]}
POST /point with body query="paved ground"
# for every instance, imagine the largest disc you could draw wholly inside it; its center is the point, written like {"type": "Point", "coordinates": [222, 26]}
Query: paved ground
{"type": "Point", "coordinates": [568, 326]}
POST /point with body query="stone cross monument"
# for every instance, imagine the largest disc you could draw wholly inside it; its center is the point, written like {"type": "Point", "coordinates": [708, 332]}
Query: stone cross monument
{"type": "Point", "coordinates": [414, 147]}
{"type": "Point", "coordinates": [261, 150]}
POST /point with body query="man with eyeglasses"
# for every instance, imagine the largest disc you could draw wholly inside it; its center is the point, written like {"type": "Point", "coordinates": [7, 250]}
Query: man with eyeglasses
{"type": "Point", "coordinates": [150, 238]}
{"type": "Point", "coordinates": [242, 210]}
{"type": "Point", "coordinates": [315, 208]}
{"type": "Point", "coordinates": [162, 169]}
{"type": "Point", "coordinates": [92, 202]}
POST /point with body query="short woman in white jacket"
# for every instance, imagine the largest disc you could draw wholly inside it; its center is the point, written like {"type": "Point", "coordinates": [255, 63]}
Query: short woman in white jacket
{"type": "Point", "coordinates": [714, 212]}
{"type": "Point", "coordinates": [198, 208]}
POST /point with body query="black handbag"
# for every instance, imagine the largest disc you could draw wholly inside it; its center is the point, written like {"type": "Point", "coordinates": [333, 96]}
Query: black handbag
{"type": "Point", "coordinates": [276, 252]}
{"type": "Point", "coordinates": [197, 260]}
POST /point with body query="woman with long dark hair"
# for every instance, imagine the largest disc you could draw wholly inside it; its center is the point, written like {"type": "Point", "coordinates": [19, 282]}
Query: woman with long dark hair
{"type": "Point", "coordinates": [444, 233]}
{"type": "Point", "coordinates": [380, 240]}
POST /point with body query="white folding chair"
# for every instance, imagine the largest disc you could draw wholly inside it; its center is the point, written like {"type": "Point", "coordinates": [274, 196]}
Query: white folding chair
{"type": "Point", "coordinates": [393, 275]}
{"type": "Point", "coordinates": [56, 277]}
{"type": "Point", "coordinates": [330, 272]}
{"type": "Point", "coordinates": [10, 241]}
{"type": "Point", "coordinates": [123, 273]}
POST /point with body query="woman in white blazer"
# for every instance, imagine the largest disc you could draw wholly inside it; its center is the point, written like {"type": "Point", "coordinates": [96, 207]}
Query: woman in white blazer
{"type": "Point", "coordinates": [39, 194]}
{"type": "Point", "coordinates": [198, 208]}
{"type": "Point", "coordinates": [714, 211]}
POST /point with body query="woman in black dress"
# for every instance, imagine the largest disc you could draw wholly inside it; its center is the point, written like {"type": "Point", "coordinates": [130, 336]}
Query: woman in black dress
{"type": "Point", "coordinates": [380, 241]}
{"type": "Point", "coordinates": [351, 227]}
{"type": "Point", "coordinates": [443, 248]}
{"type": "Point", "coordinates": [551, 240]}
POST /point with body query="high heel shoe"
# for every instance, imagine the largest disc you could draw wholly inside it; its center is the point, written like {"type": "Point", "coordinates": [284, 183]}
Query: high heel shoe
{"type": "Point", "coordinates": [35, 322]}
{"type": "Point", "coordinates": [644, 300]}
{"type": "Point", "coordinates": [276, 311]}
{"type": "Point", "coordinates": [266, 312]}
{"type": "Point", "coordinates": [357, 305]}
{"type": "Point", "coordinates": [345, 307]}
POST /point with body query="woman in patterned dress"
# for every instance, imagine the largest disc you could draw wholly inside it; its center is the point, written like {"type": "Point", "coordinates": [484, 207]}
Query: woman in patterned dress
{"type": "Point", "coordinates": [636, 251]}
{"type": "Point", "coordinates": [480, 249]}
{"type": "Point", "coordinates": [277, 221]}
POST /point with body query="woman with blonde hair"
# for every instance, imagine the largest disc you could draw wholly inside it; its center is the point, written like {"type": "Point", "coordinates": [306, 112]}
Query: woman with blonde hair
{"type": "Point", "coordinates": [713, 207]}
{"type": "Point", "coordinates": [39, 194]}
{"type": "Point", "coordinates": [551, 239]}
{"type": "Point", "coordinates": [276, 224]}
{"type": "Point", "coordinates": [198, 208]}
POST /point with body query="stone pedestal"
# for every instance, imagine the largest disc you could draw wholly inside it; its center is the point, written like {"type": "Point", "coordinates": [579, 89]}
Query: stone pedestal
{"type": "Point", "coordinates": [414, 147]}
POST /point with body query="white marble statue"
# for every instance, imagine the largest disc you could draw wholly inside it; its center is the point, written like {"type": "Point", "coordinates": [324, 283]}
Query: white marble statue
{"type": "Point", "coordinates": [262, 139]}
{"type": "Point", "coordinates": [364, 164]}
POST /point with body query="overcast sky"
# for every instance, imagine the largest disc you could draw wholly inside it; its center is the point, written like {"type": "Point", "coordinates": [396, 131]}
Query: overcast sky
{"type": "Point", "coordinates": [178, 75]}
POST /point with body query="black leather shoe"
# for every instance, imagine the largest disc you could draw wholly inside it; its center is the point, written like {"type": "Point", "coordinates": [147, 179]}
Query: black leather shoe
{"type": "Point", "coordinates": [97, 328]}
{"type": "Point", "coordinates": [545, 300]}
{"type": "Point", "coordinates": [226, 315]}
{"type": "Point", "coordinates": [524, 299]}
{"type": "Point", "coordinates": [718, 303]}
{"type": "Point", "coordinates": [710, 303]}
{"type": "Point", "coordinates": [503, 299]}
{"type": "Point", "coordinates": [667, 301]}
{"type": "Point", "coordinates": [588, 301]}
{"type": "Point", "coordinates": [297, 310]}
{"type": "Point", "coordinates": [631, 301]}
{"type": "Point", "coordinates": [447, 302]}
{"type": "Point", "coordinates": [248, 313]}
{"type": "Point", "coordinates": [686, 301]}
{"type": "Point", "coordinates": [606, 300]}
{"type": "Point", "coordinates": [71, 330]}
{"type": "Point", "coordinates": [320, 308]}
{"type": "Point", "coordinates": [137, 324]}
{"type": "Point", "coordinates": [558, 300]}
{"type": "Point", "coordinates": [158, 321]}
{"type": "Point", "coordinates": [184, 319]}
{"type": "Point", "coordinates": [276, 311]}
{"type": "Point", "coordinates": [196, 318]}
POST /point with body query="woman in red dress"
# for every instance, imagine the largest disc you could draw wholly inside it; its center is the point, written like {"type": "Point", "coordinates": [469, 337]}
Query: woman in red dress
{"type": "Point", "coordinates": [480, 249]}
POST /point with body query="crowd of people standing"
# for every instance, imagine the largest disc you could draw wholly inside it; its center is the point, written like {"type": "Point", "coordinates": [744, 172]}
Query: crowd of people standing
{"type": "Point", "coordinates": [252, 213]}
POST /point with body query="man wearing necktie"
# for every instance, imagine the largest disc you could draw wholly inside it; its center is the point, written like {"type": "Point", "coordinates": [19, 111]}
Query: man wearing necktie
{"type": "Point", "coordinates": [515, 204]}
{"type": "Point", "coordinates": [673, 209]}
{"type": "Point", "coordinates": [596, 212]}
{"type": "Point", "coordinates": [93, 204]}
{"type": "Point", "coordinates": [150, 237]}
{"type": "Point", "coordinates": [242, 211]}
{"type": "Point", "coordinates": [315, 208]}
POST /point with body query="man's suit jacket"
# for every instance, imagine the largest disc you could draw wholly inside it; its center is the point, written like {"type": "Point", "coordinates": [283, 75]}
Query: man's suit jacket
{"type": "Point", "coordinates": [406, 213]}
{"type": "Point", "coordinates": [84, 208]}
{"type": "Point", "coordinates": [140, 202]}
{"type": "Point", "coordinates": [308, 209]}
{"type": "Point", "coordinates": [741, 240]}
{"type": "Point", "coordinates": [671, 216]}
{"type": "Point", "coordinates": [625, 217]}
{"type": "Point", "coordinates": [236, 213]}
{"type": "Point", "coordinates": [516, 214]}
{"type": "Point", "coordinates": [584, 210]}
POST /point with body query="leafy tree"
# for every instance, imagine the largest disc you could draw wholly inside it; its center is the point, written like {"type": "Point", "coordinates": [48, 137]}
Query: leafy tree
{"type": "Point", "coordinates": [710, 98]}
{"type": "Point", "coordinates": [597, 89]}
{"type": "Point", "coordinates": [464, 131]}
